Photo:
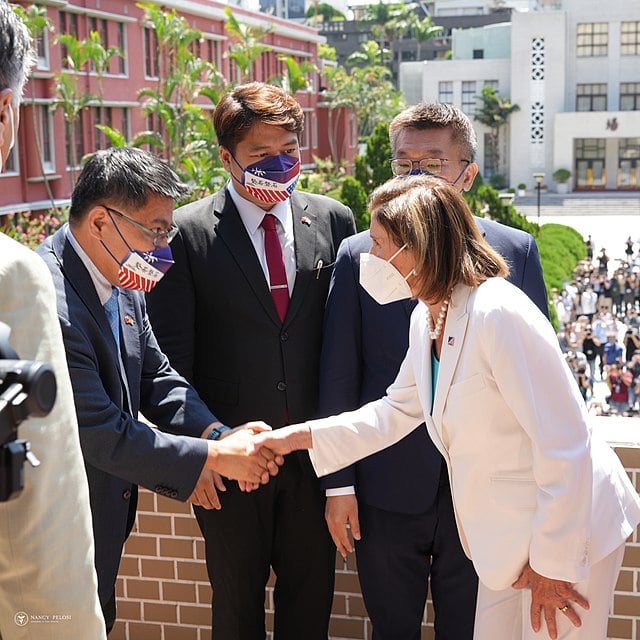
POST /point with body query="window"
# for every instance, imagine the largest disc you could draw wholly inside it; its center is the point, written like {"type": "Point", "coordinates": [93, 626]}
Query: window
{"type": "Point", "coordinates": [42, 49]}
{"type": "Point", "coordinates": [494, 84]}
{"type": "Point", "coordinates": [211, 52]}
{"type": "Point", "coordinates": [592, 39]}
{"type": "Point", "coordinates": [630, 96]}
{"type": "Point", "coordinates": [445, 92]}
{"type": "Point", "coordinates": [305, 136]}
{"type": "Point", "coordinates": [478, 54]}
{"type": "Point", "coordinates": [314, 130]}
{"type": "Point", "coordinates": [74, 142]}
{"type": "Point", "coordinates": [490, 156]}
{"type": "Point", "coordinates": [469, 98]}
{"type": "Point", "coordinates": [101, 115]}
{"type": "Point", "coordinates": [68, 24]}
{"type": "Point", "coordinates": [125, 123]}
{"type": "Point", "coordinates": [353, 130]}
{"type": "Point", "coordinates": [122, 45]}
{"type": "Point", "coordinates": [46, 137]}
{"type": "Point", "coordinates": [591, 97]}
{"type": "Point", "coordinates": [101, 27]}
{"type": "Point", "coordinates": [150, 53]}
{"type": "Point", "coordinates": [11, 163]}
{"type": "Point", "coordinates": [630, 38]}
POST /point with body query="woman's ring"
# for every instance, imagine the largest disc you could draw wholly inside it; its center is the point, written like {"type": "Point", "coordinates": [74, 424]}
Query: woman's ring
{"type": "Point", "coordinates": [564, 609]}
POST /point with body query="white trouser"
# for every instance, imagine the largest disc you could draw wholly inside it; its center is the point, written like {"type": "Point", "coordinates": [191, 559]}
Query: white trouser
{"type": "Point", "coordinates": [505, 615]}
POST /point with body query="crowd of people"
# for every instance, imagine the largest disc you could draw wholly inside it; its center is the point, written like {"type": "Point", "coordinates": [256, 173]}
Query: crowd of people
{"type": "Point", "coordinates": [598, 329]}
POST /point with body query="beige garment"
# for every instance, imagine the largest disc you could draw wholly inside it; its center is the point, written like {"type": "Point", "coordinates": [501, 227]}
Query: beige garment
{"type": "Point", "coordinates": [48, 585]}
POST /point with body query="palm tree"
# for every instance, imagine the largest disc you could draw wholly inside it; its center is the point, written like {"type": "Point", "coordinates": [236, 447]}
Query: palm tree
{"type": "Point", "coordinates": [369, 55]}
{"type": "Point", "coordinates": [247, 47]}
{"type": "Point", "coordinates": [494, 113]}
{"type": "Point", "coordinates": [423, 30]}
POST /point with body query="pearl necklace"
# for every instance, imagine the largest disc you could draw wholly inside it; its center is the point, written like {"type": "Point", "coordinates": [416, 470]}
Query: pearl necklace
{"type": "Point", "coordinates": [434, 333]}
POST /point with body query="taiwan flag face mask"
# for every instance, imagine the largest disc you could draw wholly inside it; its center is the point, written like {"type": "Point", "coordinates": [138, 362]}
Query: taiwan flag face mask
{"type": "Point", "coordinates": [272, 179]}
{"type": "Point", "coordinates": [141, 270]}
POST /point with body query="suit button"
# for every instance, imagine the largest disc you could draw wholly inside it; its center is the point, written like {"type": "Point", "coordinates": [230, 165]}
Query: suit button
{"type": "Point", "coordinates": [284, 336]}
{"type": "Point", "coordinates": [126, 494]}
{"type": "Point", "coordinates": [282, 386]}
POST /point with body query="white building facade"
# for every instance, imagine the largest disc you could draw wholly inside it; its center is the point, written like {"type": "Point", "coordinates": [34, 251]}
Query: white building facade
{"type": "Point", "coordinates": [573, 68]}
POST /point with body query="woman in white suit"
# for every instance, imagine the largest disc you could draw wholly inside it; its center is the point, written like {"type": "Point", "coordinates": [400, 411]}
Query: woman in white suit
{"type": "Point", "coordinates": [543, 508]}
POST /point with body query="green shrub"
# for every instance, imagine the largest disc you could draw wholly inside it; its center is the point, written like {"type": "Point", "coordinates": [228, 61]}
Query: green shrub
{"type": "Point", "coordinates": [561, 249]}
{"type": "Point", "coordinates": [354, 196]}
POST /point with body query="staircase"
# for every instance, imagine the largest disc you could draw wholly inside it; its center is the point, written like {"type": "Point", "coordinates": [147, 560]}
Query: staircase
{"type": "Point", "coordinates": [580, 204]}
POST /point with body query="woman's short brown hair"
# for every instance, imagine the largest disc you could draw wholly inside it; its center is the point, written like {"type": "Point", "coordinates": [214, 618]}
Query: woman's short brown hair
{"type": "Point", "coordinates": [251, 103]}
{"type": "Point", "coordinates": [432, 218]}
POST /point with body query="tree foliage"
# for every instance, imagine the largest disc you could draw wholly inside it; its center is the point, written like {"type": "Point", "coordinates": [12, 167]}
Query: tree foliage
{"type": "Point", "coordinates": [494, 113]}
{"type": "Point", "coordinates": [374, 168]}
{"type": "Point", "coordinates": [323, 12]}
{"type": "Point", "coordinates": [247, 44]}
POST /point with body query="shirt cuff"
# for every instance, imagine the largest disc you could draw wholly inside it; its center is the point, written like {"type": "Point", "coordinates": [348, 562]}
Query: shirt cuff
{"type": "Point", "coordinates": [341, 491]}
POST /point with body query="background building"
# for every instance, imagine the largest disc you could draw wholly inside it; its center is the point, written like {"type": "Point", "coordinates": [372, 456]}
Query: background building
{"type": "Point", "coordinates": [40, 171]}
{"type": "Point", "coordinates": [573, 68]}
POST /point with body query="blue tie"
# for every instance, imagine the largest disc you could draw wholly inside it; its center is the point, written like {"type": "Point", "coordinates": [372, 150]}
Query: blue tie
{"type": "Point", "coordinates": [113, 315]}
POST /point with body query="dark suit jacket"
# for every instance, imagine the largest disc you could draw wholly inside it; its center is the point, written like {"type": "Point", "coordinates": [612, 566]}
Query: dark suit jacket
{"type": "Point", "coordinates": [215, 318]}
{"type": "Point", "coordinates": [364, 346]}
{"type": "Point", "coordinates": [119, 451]}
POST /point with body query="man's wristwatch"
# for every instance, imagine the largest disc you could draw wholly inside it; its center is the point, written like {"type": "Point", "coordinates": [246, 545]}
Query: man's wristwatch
{"type": "Point", "coordinates": [216, 432]}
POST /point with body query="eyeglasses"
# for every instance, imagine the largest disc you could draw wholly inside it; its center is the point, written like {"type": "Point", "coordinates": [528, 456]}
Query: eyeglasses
{"type": "Point", "coordinates": [157, 237]}
{"type": "Point", "coordinates": [430, 166]}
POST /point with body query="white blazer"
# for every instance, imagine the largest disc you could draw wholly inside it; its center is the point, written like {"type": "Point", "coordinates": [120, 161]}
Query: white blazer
{"type": "Point", "coordinates": [528, 480]}
{"type": "Point", "coordinates": [46, 537]}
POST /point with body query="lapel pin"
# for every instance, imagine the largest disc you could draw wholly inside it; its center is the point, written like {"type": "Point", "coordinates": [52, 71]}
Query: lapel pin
{"type": "Point", "coordinates": [306, 221]}
{"type": "Point", "coordinates": [129, 320]}
{"type": "Point", "coordinates": [451, 341]}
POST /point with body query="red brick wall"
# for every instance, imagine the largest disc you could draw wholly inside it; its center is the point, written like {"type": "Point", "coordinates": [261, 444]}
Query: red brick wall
{"type": "Point", "coordinates": [164, 594]}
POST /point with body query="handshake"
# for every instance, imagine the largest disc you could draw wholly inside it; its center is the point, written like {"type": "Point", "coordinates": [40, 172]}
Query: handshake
{"type": "Point", "coordinates": [250, 454]}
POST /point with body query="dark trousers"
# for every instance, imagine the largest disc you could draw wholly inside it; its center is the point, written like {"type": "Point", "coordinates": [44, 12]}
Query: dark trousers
{"type": "Point", "coordinates": [281, 525]}
{"type": "Point", "coordinates": [400, 555]}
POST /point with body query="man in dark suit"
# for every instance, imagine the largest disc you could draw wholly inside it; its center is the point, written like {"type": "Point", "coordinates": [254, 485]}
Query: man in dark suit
{"type": "Point", "coordinates": [397, 502]}
{"type": "Point", "coordinates": [240, 315]}
{"type": "Point", "coordinates": [116, 244]}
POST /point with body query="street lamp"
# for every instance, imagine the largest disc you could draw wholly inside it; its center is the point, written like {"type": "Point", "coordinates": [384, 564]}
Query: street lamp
{"type": "Point", "coordinates": [538, 177]}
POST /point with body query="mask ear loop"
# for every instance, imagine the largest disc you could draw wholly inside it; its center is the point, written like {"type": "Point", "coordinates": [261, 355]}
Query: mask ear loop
{"type": "Point", "coordinates": [404, 246]}
{"type": "Point", "coordinates": [126, 244]}
{"type": "Point", "coordinates": [412, 272]}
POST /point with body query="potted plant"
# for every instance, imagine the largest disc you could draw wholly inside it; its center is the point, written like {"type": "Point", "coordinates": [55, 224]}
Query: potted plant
{"type": "Point", "coordinates": [522, 187]}
{"type": "Point", "coordinates": [561, 176]}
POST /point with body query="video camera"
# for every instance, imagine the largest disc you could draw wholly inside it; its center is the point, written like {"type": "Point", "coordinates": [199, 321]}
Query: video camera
{"type": "Point", "coordinates": [26, 389]}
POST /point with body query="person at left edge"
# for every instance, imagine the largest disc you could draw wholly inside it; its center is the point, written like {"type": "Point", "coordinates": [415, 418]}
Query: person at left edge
{"type": "Point", "coordinates": [254, 353]}
{"type": "Point", "coordinates": [115, 245]}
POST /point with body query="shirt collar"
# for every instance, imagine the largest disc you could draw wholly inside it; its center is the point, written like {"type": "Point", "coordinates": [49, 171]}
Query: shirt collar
{"type": "Point", "coordinates": [252, 215]}
{"type": "Point", "coordinates": [103, 287]}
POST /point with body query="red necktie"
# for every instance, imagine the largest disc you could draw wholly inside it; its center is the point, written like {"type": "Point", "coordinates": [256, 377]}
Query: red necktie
{"type": "Point", "coordinates": [275, 264]}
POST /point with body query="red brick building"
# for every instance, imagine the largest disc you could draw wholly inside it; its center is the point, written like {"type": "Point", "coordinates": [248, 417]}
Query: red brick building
{"type": "Point", "coordinates": [40, 168]}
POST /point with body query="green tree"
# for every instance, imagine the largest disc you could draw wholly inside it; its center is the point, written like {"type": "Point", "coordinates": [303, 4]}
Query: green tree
{"type": "Point", "coordinates": [323, 12]}
{"type": "Point", "coordinates": [247, 46]}
{"type": "Point", "coordinates": [81, 56]}
{"type": "Point", "coordinates": [368, 85]}
{"type": "Point", "coordinates": [352, 194]}
{"type": "Point", "coordinates": [184, 131]}
{"type": "Point", "coordinates": [36, 21]}
{"type": "Point", "coordinates": [494, 113]}
{"type": "Point", "coordinates": [423, 31]}
{"type": "Point", "coordinates": [296, 76]}
{"type": "Point", "coordinates": [369, 55]}
{"type": "Point", "coordinates": [327, 52]}
{"type": "Point", "coordinates": [388, 22]}
{"type": "Point", "coordinates": [374, 167]}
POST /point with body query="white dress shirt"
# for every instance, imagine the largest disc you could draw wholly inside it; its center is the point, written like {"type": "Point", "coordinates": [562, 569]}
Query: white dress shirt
{"type": "Point", "coordinates": [251, 215]}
